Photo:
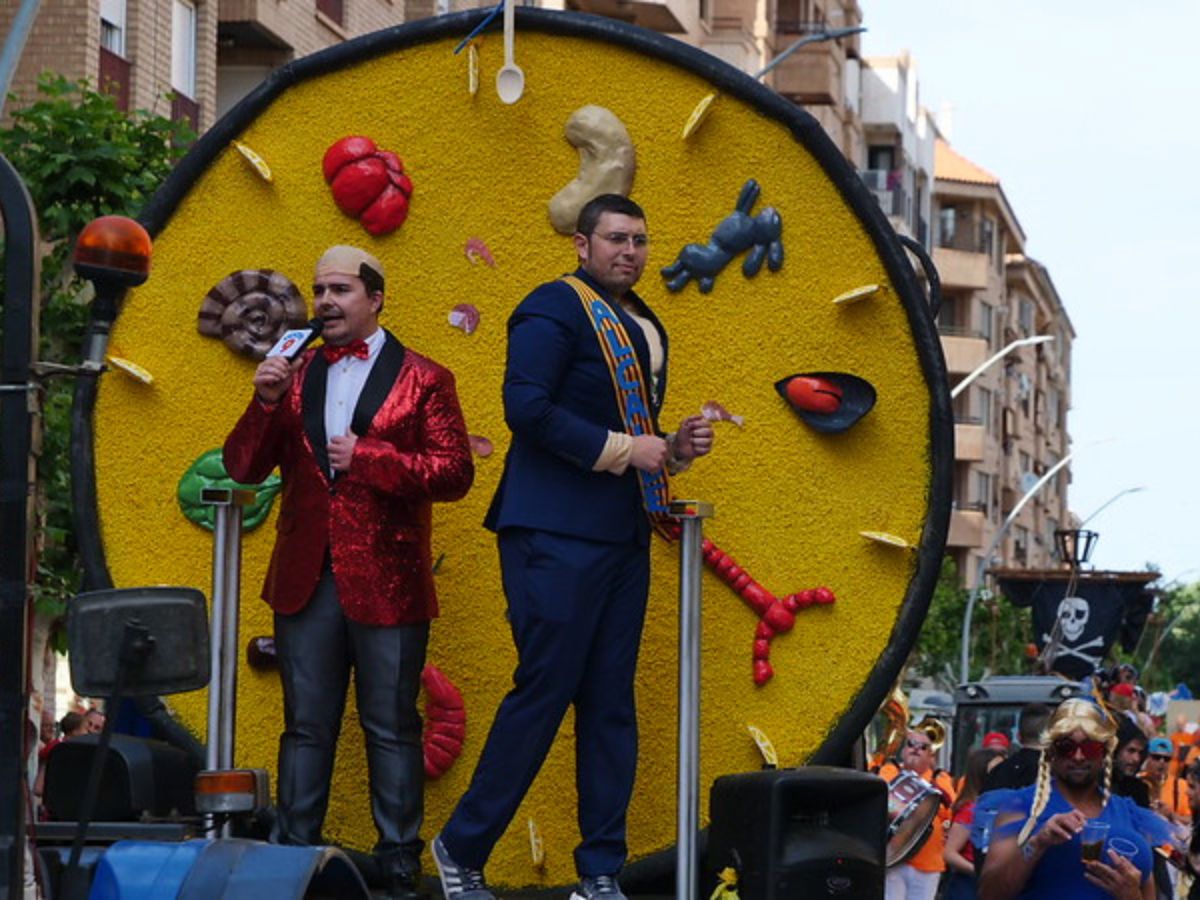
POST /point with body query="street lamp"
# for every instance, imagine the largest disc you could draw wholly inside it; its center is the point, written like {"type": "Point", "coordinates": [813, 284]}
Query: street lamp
{"type": "Point", "coordinates": [992, 360]}
{"type": "Point", "coordinates": [965, 651]}
{"type": "Point", "coordinates": [827, 34]}
{"type": "Point", "coordinates": [1111, 500]}
{"type": "Point", "coordinates": [702, 109]}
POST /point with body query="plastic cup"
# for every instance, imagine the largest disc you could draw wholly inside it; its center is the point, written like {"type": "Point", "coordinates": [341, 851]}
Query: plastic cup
{"type": "Point", "coordinates": [1125, 847]}
{"type": "Point", "coordinates": [1092, 840]}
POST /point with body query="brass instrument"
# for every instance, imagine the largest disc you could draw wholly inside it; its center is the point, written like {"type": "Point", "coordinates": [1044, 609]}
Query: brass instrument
{"type": "Point", "coordinates": [895, 710]}
{"type": "Point", "coordinates": [934, 729]}
{"type": "Point", "coordinates": [913, 803]}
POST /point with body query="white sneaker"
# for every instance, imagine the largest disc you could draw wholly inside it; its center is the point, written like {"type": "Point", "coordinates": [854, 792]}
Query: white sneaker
{"type": "Point", "coordinates": [459, 882]}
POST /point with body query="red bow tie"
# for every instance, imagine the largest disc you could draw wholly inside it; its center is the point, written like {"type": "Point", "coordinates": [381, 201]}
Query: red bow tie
{"type": "Point", "coordinates": [355, 348]}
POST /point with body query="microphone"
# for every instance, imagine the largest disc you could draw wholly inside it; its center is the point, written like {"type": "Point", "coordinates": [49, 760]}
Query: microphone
{"type": "Point", "coordinates": [293, 342]}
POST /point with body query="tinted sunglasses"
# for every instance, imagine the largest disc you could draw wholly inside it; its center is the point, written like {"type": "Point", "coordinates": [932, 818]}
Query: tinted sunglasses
{"type": "Point", "coordinates": [1162, 757]}
{"type": "Point", "coordinates": [917, 745]}
{"type": "Point", "coordinates": [1065, 748]}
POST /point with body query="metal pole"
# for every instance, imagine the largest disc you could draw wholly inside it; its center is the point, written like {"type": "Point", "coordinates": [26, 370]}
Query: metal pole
{"type": "Point", "coordinates": [830, 35]}
{"type": "Point", "coordinates": [19, 404]}
{"type": "Point", "coordinates": [223, 652]}
{"type": "Point", "coordinates": [14, 45]}
{"type": "Point", "coordinates": [996, 357]}
{"type": "Point", "coordinates": [965, 650]}
{"type": "Point", "coordinates": [691, 515]}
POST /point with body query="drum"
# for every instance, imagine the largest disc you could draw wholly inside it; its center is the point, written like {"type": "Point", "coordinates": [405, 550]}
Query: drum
{"type": "Point", "coordinates": [912, 806]}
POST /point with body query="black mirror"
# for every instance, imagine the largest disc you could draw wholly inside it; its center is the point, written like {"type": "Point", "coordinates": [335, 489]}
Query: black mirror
{"type": "Point", "coordinates": [174, 654]}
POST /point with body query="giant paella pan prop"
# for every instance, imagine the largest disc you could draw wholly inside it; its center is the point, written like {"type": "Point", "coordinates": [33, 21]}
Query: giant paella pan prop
{"type": "Point", "coordinates": [831, 474]}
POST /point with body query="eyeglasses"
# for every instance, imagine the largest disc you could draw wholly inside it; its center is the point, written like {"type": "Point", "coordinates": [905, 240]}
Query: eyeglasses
{"type": "Point", "coordinates": [1065, 748]}
{"type": "Point", "coordinates": [917, 745]}
{"type": "Point", "coordinates": [620, 239]}
{"type": "Point", "coordinates": [1161, 757]}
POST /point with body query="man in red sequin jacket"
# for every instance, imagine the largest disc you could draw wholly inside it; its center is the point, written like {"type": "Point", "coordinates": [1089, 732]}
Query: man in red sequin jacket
{"type": "Point", "coordinates": [367, 434]}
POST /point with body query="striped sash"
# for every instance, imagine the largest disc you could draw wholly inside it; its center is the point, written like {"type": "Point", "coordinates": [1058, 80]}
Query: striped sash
{"type": "Point", "coordinates": [629, 385]}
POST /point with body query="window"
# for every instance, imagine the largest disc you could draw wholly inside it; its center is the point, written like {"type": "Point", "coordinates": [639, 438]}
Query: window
{"type": "Point", "coordinates": [1026, 462]}
{"type": "Point", "coordinates": [985, 408]}
{"type": "Point", "coordinates": [112, 26]}
{"type": "Point", "coordinates": [947, 223]}
{"type": "Point", "coordinates": [881, 157]}
{"type": "Point", "coordinates": [183, 48]}
{"type": "Point", "coordinates": [331, 8]}
{"type": "Point", "coordinates": [1025, 316]}
{"type": "Point", "coordinates": [985, 322]}
{"type": "Point", "coordinates": [1052, 414]}
{"type": "Point", "coordinates": [983, 489]}
{"type": "Point", "coordinates": [948, 314]}
{"type": "Point", "coordinates": [987, 237]}
{"type": "Point", "coordinates": [1021, 544]}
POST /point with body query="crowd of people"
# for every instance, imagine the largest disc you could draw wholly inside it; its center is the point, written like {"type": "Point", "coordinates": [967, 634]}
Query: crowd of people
{"type": "Point", "coordinates": [1094, 800]}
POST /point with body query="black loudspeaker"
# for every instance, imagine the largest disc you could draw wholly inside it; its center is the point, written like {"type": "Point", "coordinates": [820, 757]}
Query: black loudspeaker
{"type": "Point", "coordinates": [139, 776]}
{"type": "Point", "coordinates": [810, 832]}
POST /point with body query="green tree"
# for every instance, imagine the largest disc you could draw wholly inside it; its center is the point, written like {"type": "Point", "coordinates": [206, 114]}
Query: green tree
{"type": "Point", "coordinates": [80, 157]}
{"type": "Point", "coordinates": [1172, 640]}
{"type": "Point", "coordinates": [999, 635]}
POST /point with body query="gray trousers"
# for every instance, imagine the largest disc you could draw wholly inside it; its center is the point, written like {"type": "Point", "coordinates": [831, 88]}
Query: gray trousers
{"type": "Point", "coordinates": [317, 647]}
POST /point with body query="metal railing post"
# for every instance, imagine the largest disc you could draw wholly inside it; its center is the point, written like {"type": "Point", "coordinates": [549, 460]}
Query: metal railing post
{"type": "Point", "coordinates": [223, 651]}
{"type": "Point", "coordinates": [691, 515]}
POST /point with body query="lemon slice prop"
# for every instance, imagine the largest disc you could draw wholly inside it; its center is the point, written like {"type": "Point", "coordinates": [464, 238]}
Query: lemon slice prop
{"type": "Point", "coordinates": [790, 501]}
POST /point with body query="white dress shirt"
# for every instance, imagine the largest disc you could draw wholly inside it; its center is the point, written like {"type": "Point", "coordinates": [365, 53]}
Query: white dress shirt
{"type": "Point", "coordinates": [344, 384]}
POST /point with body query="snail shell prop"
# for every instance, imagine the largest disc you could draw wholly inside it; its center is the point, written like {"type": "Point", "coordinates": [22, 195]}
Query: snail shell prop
{"type": "Point", "coordinates": [251, 309]}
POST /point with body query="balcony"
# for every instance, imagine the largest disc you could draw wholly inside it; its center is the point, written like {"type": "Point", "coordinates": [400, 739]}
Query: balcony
{"type": "Point", "coordinates": [730, 38]}
{"type": "Point", "coordinates": [185, 109]}
{"type": "Point", "coordinates": [254, 24]}
{"type": "Point", "coordinates": [968, 442]}
{"type": "Point", "coordinates": [964, 351]}
{"type": "Point", "coordinates": [114, 77]}
{"type": "Point", "coordinates": [812, 75]}
{"type": "Point", "coordinates": [888, 188]}
{"type": "Point", "coordinates": [961, 268]}
{"type": "Point", "coordinates": [333, 9]}
{"type": "Point", "coordinates": [653, 14]}
{"type": "Point", "coordinates": [966, 528]}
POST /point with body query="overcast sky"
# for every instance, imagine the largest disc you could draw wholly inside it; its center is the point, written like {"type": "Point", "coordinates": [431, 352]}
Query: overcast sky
{"type": "Point", "coordinates": [1089, 113]}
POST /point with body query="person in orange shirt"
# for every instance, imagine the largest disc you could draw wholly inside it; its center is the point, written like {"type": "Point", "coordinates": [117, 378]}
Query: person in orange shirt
{"type": "Point", "coordinates": [918, 878]}
{"type": "Point", "coordinates": [1168, 792]}
{"type": "Point", "coordinates": [1181, 742]}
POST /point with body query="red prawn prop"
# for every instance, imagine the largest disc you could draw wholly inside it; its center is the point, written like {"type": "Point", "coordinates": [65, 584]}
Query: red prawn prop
{"type": "Point", "coordinates": [775, 615]}
{"type": "Point", "coordinates": [445, 722]}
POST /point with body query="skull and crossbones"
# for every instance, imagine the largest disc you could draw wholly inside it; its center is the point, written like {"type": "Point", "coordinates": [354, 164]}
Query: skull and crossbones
{"type": "Point", "coordinates": [1073, 614]}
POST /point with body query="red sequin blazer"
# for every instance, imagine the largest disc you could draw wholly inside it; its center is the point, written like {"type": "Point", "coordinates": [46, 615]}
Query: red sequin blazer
{"type": "Point", "coordinates": [374, 519]}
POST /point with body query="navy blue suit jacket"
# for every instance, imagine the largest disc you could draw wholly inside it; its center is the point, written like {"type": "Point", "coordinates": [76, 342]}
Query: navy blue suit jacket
{"type": "Point", "coordinates": [560, 404]}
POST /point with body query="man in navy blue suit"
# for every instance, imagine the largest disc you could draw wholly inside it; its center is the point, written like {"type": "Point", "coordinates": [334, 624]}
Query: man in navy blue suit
{"type": "Point", "coordinates": [584, 474]}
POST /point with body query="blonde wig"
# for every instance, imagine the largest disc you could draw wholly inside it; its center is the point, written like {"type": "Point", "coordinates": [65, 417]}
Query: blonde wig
{"type": "Point", "coordinates": [1097, 725]}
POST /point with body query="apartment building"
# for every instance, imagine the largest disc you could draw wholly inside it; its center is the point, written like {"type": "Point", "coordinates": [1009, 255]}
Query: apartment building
{"type": "Point", "coordinates": [186, 59]}
{"type": "Point", "coordinates": [1010, 422]}
{"type": "Point", "coordinates": [899, 135]}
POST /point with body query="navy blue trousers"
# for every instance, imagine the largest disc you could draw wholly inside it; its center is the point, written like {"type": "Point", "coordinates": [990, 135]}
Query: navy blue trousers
{"type": "Point", "coordinates": [576, 608]}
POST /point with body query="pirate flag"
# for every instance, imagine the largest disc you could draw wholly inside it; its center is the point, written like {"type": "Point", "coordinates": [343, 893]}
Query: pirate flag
{"type": "Point", "coordinates": [1099, 607]}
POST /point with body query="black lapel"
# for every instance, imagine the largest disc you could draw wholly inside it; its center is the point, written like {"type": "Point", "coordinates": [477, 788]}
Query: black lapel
{"type": "Point", "coordinates": [379, 384]}
{"type": "Point", "coordinates": [312, 407]}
